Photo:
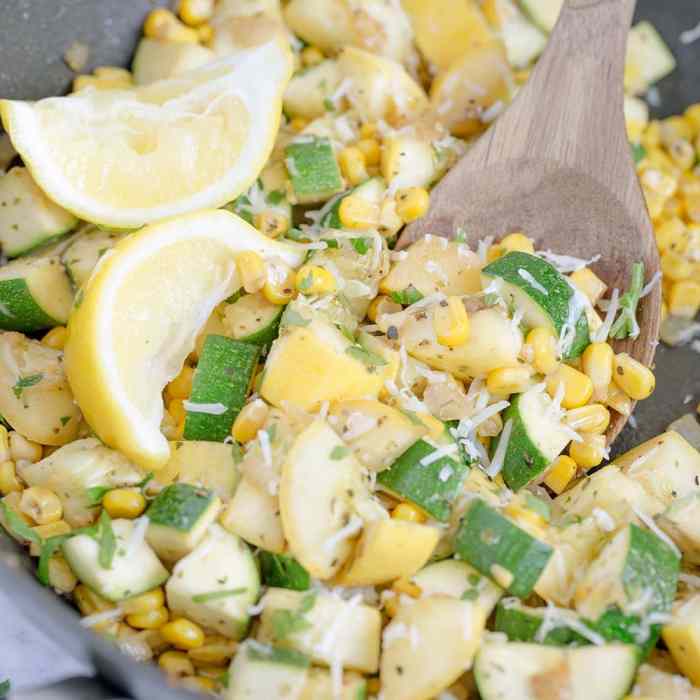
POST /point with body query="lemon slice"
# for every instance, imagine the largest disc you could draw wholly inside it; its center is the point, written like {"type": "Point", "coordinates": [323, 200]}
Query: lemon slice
{"type": "Point", "coordinates": [123, 158]}
{"type": "Point", "coordinates": [138, 316]}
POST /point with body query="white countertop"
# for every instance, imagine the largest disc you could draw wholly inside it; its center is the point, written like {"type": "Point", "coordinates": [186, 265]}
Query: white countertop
{"type": "Point", "coordinates": [27, 658]}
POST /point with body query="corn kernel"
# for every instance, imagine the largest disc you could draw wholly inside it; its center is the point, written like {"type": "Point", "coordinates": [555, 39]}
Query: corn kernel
{"type": "Point", "coordinates": [597, 364]}
{"type": "Point", "coordinates": [164, 25]}
{"type": "Point", "coordinates": [618, 400]}
{"type": "Point", "coordinates": [89, 602]}
{"type": "Point", "coordinates": [314, 280]}
{"type": "Point", "coordinates": [177, 410]}
{"type": "Point", "coordinates": [692, 117]}
{"type": "Point", "coordinates": [403, 586]}
{"type": "Point", "coordinates": [298, 124]}
{"type": "Point", "coordinates": [412, 203]}
{"type": "Point", "coordinates": [357, 213]}
{"type": "Point", "coordinates": [682, 153]}
{"type": "Point", "coordinates": [124, 503]}
{"type": "Point", "coordinates": [205, 33]}
{"type": "Point", "coordinates": [4, 444]}
{"type": "Point", "coordinates": [671, 235]}
{"type": "Point", "coordinates": [280, 284]}
{"type": "Point", "coordinates": [9, 483]}
{"type": "Point", "coordinates": [381, 305]}
{"type": "Point", "coordinates": [183, 634]}
{"type": "Point", "coordinates": [368, 130]}
{"type": "Point", "coordinates": [249, 421]}
{"type": "Point", "coordinates": [215, 650]}
{"type": "Point", "coordinates": [636, 380]}
{"type": "Point", "coordinates": [56, 338]}
{"type": "Point", "coordinates": [374, 686]}
{"type": "Point", "coordinates": [59, 527]}
{"type": "Point", "coordinates": [593, 418]}
{"type": "Point", "coordinates": [451, 322]}
{"type": "Point", "coordinates": [652, 135]}
{"type": "Point", "coordinates": [659, 182]}
{"type": "Point", "coordinates": [251, 270]}
{"type": "Point", "coordinates": [675, 267]}
{"type": "Point", "coordinates": [517, 242]}
{"type": "Point", "coordinates": [311, 56]}
{"type": "Point", "coordinates": [181, 386]}
{"type": "Point", "coordinates": [61, 576]}
{"type": "Point", "coordinates": [21, 448]}
{"type": "Point", "coordinates": [655, 203]}
{"type": "Point", "coordinates": [176, 664]}
{"type": "Point", "coordinates": [371, 151]}
{"type": "Point", "coordinates": [675, 127]}
{"type": "Point", "coordinates": [578, 388]}
{"type": "Point", "coordinates": [587, 282]}
{"type": "Point", "coordinates": [526, 517]}
{"type": "Point", "coordinates": [692, 208]}
{"type": "Point", "coordinates": [273, 224]}
{"type": "Point", "coordinates": [561, 472]}
{"type": "Point", "coordinates": [494, 252]}
{"type": "Point", "coordinates": [200, 684]}
{"type": "Point", "coordinates": [144, 603]}
{"type": "Point", "coordinates": [509, 380]}
{"type": "Point", "coordinates": [195, 12]}
{"type": "Point", "coordinates": [408, 512]}
{"type": "Point", "coordinates": [588, 453]}
{"type": "Point", "coordinates": [41, 504]}
{"type": "Point", "coordinates": [353, 165]}
{"type": "Point", "coordinates": [150, 620]}
{"type": "Point", "coordinates": [684, 298]}
{"type": "Point", "coordinates": [544, 349]}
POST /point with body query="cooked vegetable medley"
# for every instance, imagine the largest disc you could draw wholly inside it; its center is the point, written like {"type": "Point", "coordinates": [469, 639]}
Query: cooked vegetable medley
{"type": "Point", "coordinates": [255, 443]}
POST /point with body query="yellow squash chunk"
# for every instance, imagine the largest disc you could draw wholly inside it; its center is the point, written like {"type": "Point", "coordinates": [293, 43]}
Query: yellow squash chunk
{"type": "Point", "coordinates": [377, 433]}
{"type": "Point", "coordinates": [667, 466]}
{"type": "Point", "coordinates": [387, 550]}
{"type": "Point", "coordinates": [654, 684]}
{"type": "Point", "coordinates": [160, 60]}
{"type": "Point", "coordinates": [327, 24]}
{"type": "Point", "coordinates": [311, 364]}
{"type": "Point", "coordinates": [493, 343]}
{"type": "Point", "coordinates": [355, 629]}
{"type": "Point", "coordinates": [682, 637]}
{"type": "Point", "coordinates": [381, 88]}
{"type": "Point", "coordinates": [319, 686]}
{"type": "Point", "coordinates": [320, 488]}
{"type": "Point", "coordinates": [421, 665]}
{"type": "Point", "coordinates": [447, 29]}
{"type": "Point", "coordinates": [434, 264]}
{"type": "Point", "coordinates": [473, 83]}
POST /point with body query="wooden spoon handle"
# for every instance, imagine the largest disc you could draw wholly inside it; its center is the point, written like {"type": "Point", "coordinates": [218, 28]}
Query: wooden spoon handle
{"type": "Point", "coordinates": [571, 109]}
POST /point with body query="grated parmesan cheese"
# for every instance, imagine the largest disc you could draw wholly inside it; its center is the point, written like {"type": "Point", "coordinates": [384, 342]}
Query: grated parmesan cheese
{"type": "Point", "coordinates": [532, 281]}
{"type": "Point", "coordinates": [214, 409]}
{"type": "Point", "coordinates": [603, 519]}
{"type": "Point", "coordinates": [602, 333]}
{"type": "Point", "coordinates": [690, 35]}
{"type": "Point", "coordinates": [264, 440]}
{"type": "Point", "coordinates": [566, 263]}
{"type": "Point", "coordinates": [104, 616]}
{"type": "Point", "coordinates": [498, 457]}
{"type": "Point", "coordinates": [439, 452]}
{"type": "Point", "coordinates": [345, 533]}
{"type": "Point", "coordinates": [137, 536]}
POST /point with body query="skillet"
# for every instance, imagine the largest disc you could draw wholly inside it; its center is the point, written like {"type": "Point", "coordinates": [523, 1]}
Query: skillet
{"type": "Point", "coordinates": [34, 35]}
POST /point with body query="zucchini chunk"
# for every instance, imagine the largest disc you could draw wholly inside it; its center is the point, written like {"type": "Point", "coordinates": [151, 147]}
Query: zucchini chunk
{"type": "Point", "coordinates": [457, 579]}
{"type": "Point", "coordinates": [313, 170]}
{"type": "Point", "coordinates": [681, 522]}
{"type": "Point", "coordinates": [429, 475]}
{"type": "Point", "coordinates": [371, 191]}
{"type": "Point", "coordinates": [320, 686]}
{"type": "Point", "coordinates": [498, 548]}
{"type": "Point", "coordinates": [134, 568]}
{"type": "Point", "coordinates": [219, 387]}
{"type": "Point", "coordinates": [303, 620]}
{"type": "Point", "coordinates": [282, 571]}
{"type": "Point", "coordinates": [179, 517]}
{"type": "Point", "coordinates": [389, 549]}
{"type": "Point", "coordinates": [427, 646]}
{"type": "Point", "coordinates": [35, 293]}
{"type": "Point", "coordinates": [648, 58]}
{"type": "Point", "coordinates": [523, 40]}
{"type": "Point", "coordinates": [310, 90]}
{"type": "Point", "coordinates": [88, 246]}
{"type": "Point", "coordinates": [537, 438]}
{"type": "Point", "coordinates": [253, 319]}
{"type": "Point", "coordinates": [513, 670]}
{"type": "Point", "coordinates": [262, 671]}
{"type": "Point", "coordinates": [545, 297]}
{"type": "Point", "coordinates": [215, 584]}
{"type": "Point", "coordinates": [543, 13]}
{"type": "Point", "coordinates": [681, 636]}
{"type": "Point", "coordinates": [28, 218]}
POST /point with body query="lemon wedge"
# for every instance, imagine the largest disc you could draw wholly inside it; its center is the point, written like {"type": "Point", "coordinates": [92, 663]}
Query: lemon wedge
{"type": "Point", "coordinates": [124, 158]}
{"type": "Point", "coordinates": [137, 318]}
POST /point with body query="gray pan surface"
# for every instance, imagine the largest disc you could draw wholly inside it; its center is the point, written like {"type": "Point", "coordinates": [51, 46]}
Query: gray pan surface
{"type": "Point", "coordinates": [34, 35]}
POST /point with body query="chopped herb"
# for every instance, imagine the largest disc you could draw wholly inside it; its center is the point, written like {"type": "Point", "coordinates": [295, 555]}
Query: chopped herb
{"type": "Point", "coordinates": [106, 539]}
{"type": "Point", "coordinates": [294, 318]}
{"type": "Point", "coordinates": [361, 245]}
{"type": "Point", "coordinates": [64, 420]}
{"type": "Point", "coordinates": [639, 153]}
{"type": "Point", "coordinates": [328, 104]}
{"type": "Point", "coordinates": [235, 296]}
{"type": "Point", "coordinates": [408, 296]}
{"type": "Point", "coordinates": [17, 526]}
{"type": "Point", "coordinates": [78, 300]}
{"type": "Point", "coordinates": [25, 382]}
{"type": "Point", "coordinates": [306, 282]}
{"type": "Point", "coordinates": [369, 359]}
{"type": "Point", "coordinates": [223, 679]}
{"type": "Point", "coordinates": [236, 453]}
{"type": "Point", "coordinates": [95, 494]}
{"type": "Point", "coordinates": [361, 693]}
{"type": "Point", "coordinates": [101, 252]}
{"type": "Point", "coordinates": [330, 242]}
{"type": "Point", "coordinates": [460, 236]}
{"type": "Point", "coordinates": [288, 622]}
{"type": "Point", "coordinates": [295, 234]}
{"type": "Point", "coordinates": [626, 324]}
{"type": "Point", "coordinates": [275, 197]}
{"type": "Point", "coordinates": [217, 595]}
{"type": "Point", "coordinates": [540, 506]}
{"type": "Point", "coordinates": [340, 452]}
{"type": "Point", "coordinates": [282, 571]}
{"type": "Point", "coordinates": [474, 579]}
{"type": "Point", "coordinates": [48, 549]}
{"type": "Point", "coordinates": [4, 689]}
{"type": "Point", "coordinates": [470, 594]}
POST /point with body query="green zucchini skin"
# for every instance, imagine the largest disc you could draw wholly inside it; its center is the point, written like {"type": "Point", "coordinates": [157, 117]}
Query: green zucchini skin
{"type": "Point", "coordinates": [223, 375]}
{"type": "Point", "coordinates": [179, 506]}
{"type": "Point", "coordinates": [421, 484]}
{"type": "Point", "coordinates": [486, 538]}
{"type": "Point", "coordinates": [19, 311]}
{"type": "Point", "coordinates": [281, 571]}
{"type": "Point", "coordinates": [554, 304]}
{"type": "Point", "coordinates": [313, 170]}
{"type": "Point", "coordinates": [521, 624]}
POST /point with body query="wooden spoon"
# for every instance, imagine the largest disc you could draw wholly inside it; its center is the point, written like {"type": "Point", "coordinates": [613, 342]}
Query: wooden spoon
{"type": "Point", "coordinates": [557, 165]}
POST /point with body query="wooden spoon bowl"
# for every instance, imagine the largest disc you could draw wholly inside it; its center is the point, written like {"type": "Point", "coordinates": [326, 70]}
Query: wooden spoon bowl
{"type": "Point", "coordinates": [557, 165]}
